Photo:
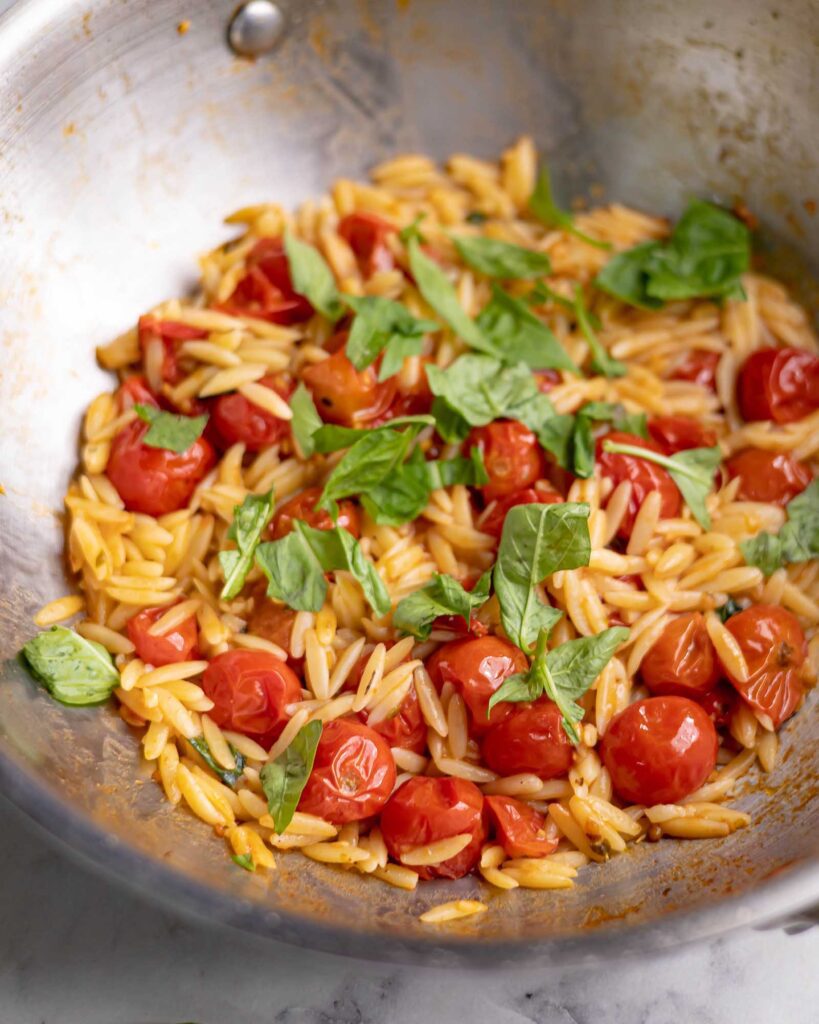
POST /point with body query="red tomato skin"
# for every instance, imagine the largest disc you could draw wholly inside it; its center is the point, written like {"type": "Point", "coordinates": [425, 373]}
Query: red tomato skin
{"type": "Point", "coordinates": [366, 234]}
{"type": "Point", "coordinates": [779, 384]}
{"type": "Point", "coordinates": [353, 773]}
{"type": "Point", "coordinates": [644, 476]}
{"type": "Point", "coordinates": [133, 391]}
{"type": "Point", "coordinates": [775, 649]}
{"type": "Point", "coordinates": [698, 367]}
{"type": "Point", "coordinates": [682, 661]}
{"type": "Point", "coordinates": [274, 622]}
{"type": "Point", "coordinates": [768, 476]}
{"type": "Point", "coordinates": [659, 750]}
{"type": "Point", "coordinates": [406, 729]}
{"type": "Point", "coordinates": [266, 291]}
{"type": "Point", "coordinates": [424, 810]}
{"type": "Point", "coordinates": [154, 480]}
{"type": "Point", "coordinates": [476, 667]}
{"type": "Point", "coordinates": [542, 493]}
{"type": "Point", "coordinates": [512, 455]}
{"type": "Point", "coordinates": [303, 507]}
{"type": "Point", "coordinates": [238, 420]}
{"type": "Point", "coordinates": [178, 645]}
{"type": "Point", "coordinates": [167, 333]}
{"type": "Point", "coordinates": [346, 396]}
{"type": "Point", "coordinates": [250, 691]}
{"type": "Point", "coordinates": [679, 433]}
{"type": "Point", "coordinates": [530, 739]}
{"type": "Point", "coordinates": [719, 704]}
{"type": "Point", "coordinates": [520, 829]}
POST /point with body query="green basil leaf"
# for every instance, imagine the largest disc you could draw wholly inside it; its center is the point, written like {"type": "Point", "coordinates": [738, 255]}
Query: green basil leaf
{"type": "Point", "coordinates": [518, 336]}
{"type": "Point", "coordinates": [542, 204]}
{"type": "Point", "coordinates": [731, 607]}
{"type": "Point", "coordinates": [583, 441]}
{"type": "Point", "coordinates": [249, 521]}
{"type": "Point", "coordinates": [381, 324]}
{"type": "Point", "coordinates": [293, 572]}
{"type": "Point", "coordinates": [338, 549]}
{"type": "Point", "coordinates": [230, 777]}
{"type": "Point", "coordinates": [397, 349]}
{"type": "Point", "coordinates": [625, 276]}
{"type": "Point", "coordinates": [73, 670]}
{"type": "Point", "coordinates": [515, 689]}
{"type": "Point", "coordinates": [244, 860]}
{"type": "Point", "coordinates": [306, 420]}
{"type": "Point", "coordinates": [452, 427]}
{"type": "Point", "coordinates": [797, 541]}
{"type": "Point", "coordinates": [481, 389]}
{"type": "Point", "coordinates": [501, 259]}
{"type": "Point", "coordinates": [536, 541]}
{"type": "Point", "coordinates": [169, 431]}
{"type": "Point", "coordinates": [443, 595]}
{"type": "Point", "coordinates": [476, 217]}
{"type": "Point", "coordinates": [311, 277]}
{"type": "Point", "coordinates": [763, 552]}
{"type": "Point", "coordinates": [556, 436]}
{"type": "Point", "coordinates": [332, 438]}
{"type": "Point", "coordinates": [284, 779]}
{"type": "Point", "coordinates": [412, 232]}
{"type": "Point", "coordinates": [601, 361]}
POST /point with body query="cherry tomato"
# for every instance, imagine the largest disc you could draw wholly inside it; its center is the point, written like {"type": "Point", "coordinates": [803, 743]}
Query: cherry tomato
{"type": "Point", "coordinates": [414, 399]}
{"type": "Point", "coordinates": [155, 480]}
{"type": "Point", "coordinates": [779, 384]}
{"type": "Point", "coordinates": [135, 391]}
{"type": "Point", "coordinates": [271, 621]}
{"type": "Point", "coordinates": [531, 739]}
{"type": "Point", "coordinates": [238, 420]}
{"type": "Point", "coordinates": [266, 291]}
{"type": "Point", "coordinates": [366, 234]}
{"type": "Point", "coordinates": [542, 493]}
{"type": "Point", "coordinates": [659, 750]}
{"type": "Point", "coordinates": [167, 334]}
{"type": "Point", "coordinates": [177, 645]}
{"type": "Point", "coordinates": [405, 729]}
{"type": "Point", "coordinates": [768, 476]}
{"type": "Point", "coordinates": [698, 367]}
{"type": "Point", "coordinates": [303, 507]}
{"type": "Point", "coordinates": [683, 660]}
{"type": "Point", "coordinates": [775, 649]}
{"type": "Point", "coordinates": [678, 433]}
{"type": "Point", "coordinates": [425, 810]}
{"type": "Point", "coordinates": [521, 830]}
{"type": "Point", "coordinates": [644, 476]}
{"type": "Point", "coordinates": [512, 455]}
{"type": "Point", "coordinates": [353, 773]}
{"type": "Point", "coordinates": [547, 380]}
{"type": "Point", "coordinates": [476, 668]}
{"type": "Point", "coordinates": [250, 691]}
{"type": "Point", "coordinates": [719, 704]}
{"type": "Point", "coordinates": [344, 395]}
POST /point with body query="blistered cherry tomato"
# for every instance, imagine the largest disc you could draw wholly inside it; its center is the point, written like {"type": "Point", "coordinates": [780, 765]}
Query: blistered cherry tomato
{"type": "Point", "coordinates": [155, 480]}
{"type": "Point", "coordinates": [682, 660]}
{"type": "Point", "coordinates": [271, 621]}
{"type": "Point", "coordinates": [353, 773]}
{"type": "Point", "coordinates": [405, 729]}
{"type": "Point", "coordinates": [772, 477]}
{"type": "Point", "coordinates": [779, 384]}
{"type": "Point", "coordinates": [542, 493]}
{"type": "Point", "coordinates": [424, 810]}
{"type": "Point", "coordinates": [775, 649]}
{"type": "Point", "coordinates": [413, 398]}
{"type": "Point", "coordinates": [547, 380]}
{"type": "Point", "coordinates": [678, 433]}
{"type": "Point", "coordinates": [135, 391]}
{"type": "Point", "coordinates": [344, 395]}
{"type": "Point", "coordinates": [512, 455]}
{"type": "Point", "coordinates": [166, 335]}
{"type": "Point", "coordinates": [250, 691]}
{"type": "Point", "coordinates": [521, 830]}
{"type": "Point", "coordinates": [176, 645]}
{"type": "Point", "coordinates": [266, 291]}
{"type": "Point", "coordinates": [238, 420]}
{"type": "Point", "coordinates": [530, 739]}
{"type": "Point", "coordinates": [659, 750]}
{"type": "Point", "coordinates": [719, 704]}
{"type": "Point", "coordinates": [645, 477]}
{"type": "Point", "coordinates": [366, 234]}
{"type": "Point", "coordinates": [303, 507]}
{"type": "Point", "coordinates": [698, 367]}
{"type": "Point", "coordinates": [476, 668]}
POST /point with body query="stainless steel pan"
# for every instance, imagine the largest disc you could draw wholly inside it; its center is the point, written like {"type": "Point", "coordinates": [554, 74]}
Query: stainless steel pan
{"type": "Point", "coordinates": [124, 140]}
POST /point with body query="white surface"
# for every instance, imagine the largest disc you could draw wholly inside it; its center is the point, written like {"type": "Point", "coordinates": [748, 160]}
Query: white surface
{"type": "Point", "coordinates": [77, 950]}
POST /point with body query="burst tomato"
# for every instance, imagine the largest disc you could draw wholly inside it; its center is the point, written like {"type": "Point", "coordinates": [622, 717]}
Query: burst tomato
{"type": "Point", "coordinates": [353, 773]}
{"type": "Point", "coordinates": [768, 476]}
{"type": "Point", "coordinates": [425, 810]}
{"type": "Point", "coordinates": [155, 480]}
{"type": "Point", "coordinates": [135, 391]}
{"type": "Point", "coordinates": [530, 739]}
{"type": "Point", "coordinates": [303, 507]}
{"type": "Point", "coordinates": [698, 367]}
{"type": "Point", "coordinates": [644, 476]}
{"type": "Point", "coordinates": [779, 384]}
{"type": "Point", "coordinates": [719, 704]}
{"type": "Point", "coordinates": [512, 455]}
{"type": "Point", "coordinates": [775, 649]}
{"type": "Point", "coordinates": [165, 335]}
{"type": "Point", "coordinates": [271, 621]}
{"type": "Point", "coordinates": [251, 691]}
{"type": "Point", "coordinates": [344, 395]}
{"type": "Point", "coordinates": [367, 234]}
{"type": "Point", "coordinates": [405, 729]}
{"type": "Point", "coordinates": [659, 750]}
{"type": "Point", "coordinates": [521, 830]}
{"type": "Point", "coordinates": [266, 291]}
{"type": "Point", "coordinates": [542, 493]}
{"type": "Point", "coordinates": [678, 433]}
{"type": "Point", "coordinates": [176, 645]}
{"type": "Point", "coordinates": [683, 660]}
{"type": "Point", "coordinates": [238, 420]}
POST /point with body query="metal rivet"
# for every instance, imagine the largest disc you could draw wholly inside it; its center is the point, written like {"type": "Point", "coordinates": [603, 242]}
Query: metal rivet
{"type": "Point", "coordinates": [255, 28]}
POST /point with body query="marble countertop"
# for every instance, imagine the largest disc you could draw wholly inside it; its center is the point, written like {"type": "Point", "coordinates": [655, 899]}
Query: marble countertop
{"type": "Point", "coordinates": [77, 949]}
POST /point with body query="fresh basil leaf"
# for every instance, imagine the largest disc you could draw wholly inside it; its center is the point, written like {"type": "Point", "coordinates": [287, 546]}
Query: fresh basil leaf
{"type": "Point", "coordinates": [731, 607]}
{"type": "Point", "coordinates": [452, 427]}
{"type": "Point", "coordinates": [797, 541]}
{"type": "Point", "coordinates": [481, 389]}
{"type": "Point", "coordinates": [601, 361]}
{"type": "Point", "coordinates": [230, 777]}
{"type": "Point", "coordinates": [73, 670]}
{"type": "Point", "coordinates": [542, 204]}
{"type": "Point", "coordinates": [284, 779]}
{"type": "Point", "coordinates": [293, 572]}
{"type": "Point", "coordinates": [338, 549]}
{"type": "Point", "coordinates": [244, 860]}
{"type": "Point", "coordinates": [249, 520]}
{"type": "Point", "coordinates": [443, 595]}
{"type": "Point", "coordinates": [381, 324]}
{"type": "Point", "coordinates": [555, 435]}
{"type": "Point", "coordinates": [169, 431]}
{"type": "Point", "coordinates": [476, 217]}
{"type": "Point", "coordinates": [625, 276]}
{"type": "Point", "coordinates": [306, 420]}
{"type": "Point", "coordinates": [311, 277]}
{"type": "Point", "coordinates": [412, 232]}
{"type": "Point", "coordinates": [515, 689]}
{"type": "Point", "coordinates": [501, 259]}
{"type": "Point", "coordinates": [536, 541]}
{"type": "Point", "coordinates": [518, 336]}
{"type": "Point", "coordinates": [448, 472]}
{"type": "Point", "coordinates": [583, 441]}
{"type": "Point", "coordinates": [763, 552]}
{"type": "Point", "coordinates": [397, 349]}
{"type": "Point", "coordinates": [332, 438]}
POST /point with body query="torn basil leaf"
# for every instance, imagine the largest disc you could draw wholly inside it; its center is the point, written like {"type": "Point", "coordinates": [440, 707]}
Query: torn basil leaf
{"type": "Point", "coordinates": [381, 325]}
{"type": "Point", "coordinates": [73, 670]}
{"type": "Point", "coordinates": [626, 278]}
{"type": "Point", "coordinates": [601, 361]}
{"type": "Point", "coordinates": [230, 777]}
{"type": "Point", "coordinates": [284, 779]}
{"type": "Point", "coordinates": [312, 278]}
{"type": "Point", "coordinates": [542, 204]}
{"type": "Point", "coordinates": [294, 575]}
{"type": "Point", "coordinates": [306, 420]}
{"type": "Point", "coordinates": [501, 259]}
{"type": "Point", "coordinates": [338, 549]}
{"type": "Point", "coordinates": [797, 541]}
{"type": "Point", "coordinates": [518, 336]}
{"type": "Point", "coordinates": [583, 441]}
{"type": "Point", "coordinates": [249, 521]}
{"type": "Point", "coordinates": [169, 431]}
{"type": "Point", "coordinates": [443, 595]}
